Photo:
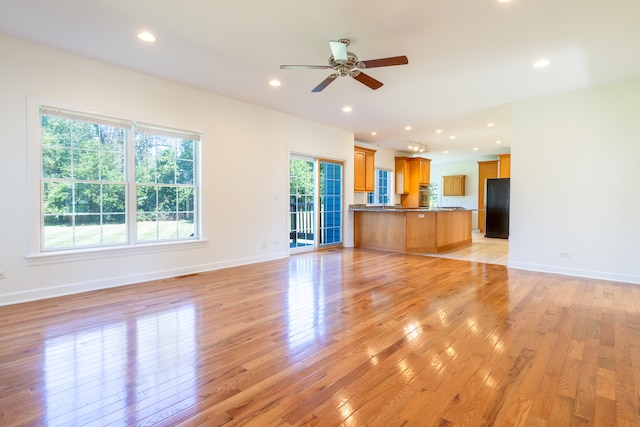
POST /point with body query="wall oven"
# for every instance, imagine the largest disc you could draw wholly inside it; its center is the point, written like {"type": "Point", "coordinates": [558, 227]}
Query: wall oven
{"type": "Point", "coordinates": [425, 196]}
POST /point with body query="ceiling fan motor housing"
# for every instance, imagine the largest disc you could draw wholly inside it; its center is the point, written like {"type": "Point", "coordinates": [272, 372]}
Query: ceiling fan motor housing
{"type": "Point", "coordinates": [344, 67]}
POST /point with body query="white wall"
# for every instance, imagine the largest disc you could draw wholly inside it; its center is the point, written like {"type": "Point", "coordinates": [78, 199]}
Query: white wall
{"type": "Point", "coordinates": [575, 183]}
{"type": "Point", "coordinates": [244, 170]}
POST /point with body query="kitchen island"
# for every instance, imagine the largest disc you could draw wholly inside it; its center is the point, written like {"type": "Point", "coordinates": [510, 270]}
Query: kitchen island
{"type": "Point", "coordinates": [420, 230]}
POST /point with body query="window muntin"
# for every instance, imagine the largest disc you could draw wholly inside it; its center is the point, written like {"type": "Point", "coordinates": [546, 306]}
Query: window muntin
{"type": "Point", "coordinates": [165, 187]}
{"type": "Point", "coordinates": [382, 188]}
{"type": "Point", "coordinates": [96, 191]}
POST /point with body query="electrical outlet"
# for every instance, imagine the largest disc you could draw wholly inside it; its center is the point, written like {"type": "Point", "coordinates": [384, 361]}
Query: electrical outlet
{"type": "Point", "coordinates": [2, 276]}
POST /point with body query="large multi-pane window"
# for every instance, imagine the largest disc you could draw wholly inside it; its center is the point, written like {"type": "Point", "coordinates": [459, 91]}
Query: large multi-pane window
{"type": "Point", "coordinates": [382, 188]}
{"type": "Point", "coordinates": [109, 182]}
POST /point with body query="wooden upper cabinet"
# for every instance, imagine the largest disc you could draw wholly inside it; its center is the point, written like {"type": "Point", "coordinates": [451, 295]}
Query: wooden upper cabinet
{"type": "Point", "coordinates": [425, 171]}
{"type": "Point", "coordinates": [411, 172]}
{"type": "Point", "coordinates": [402, 175]}
{"type": "Point", "coordinates": [364, 173]}
{"type": "Point", "coordinates": [505, 165]}
{"type": "Point", "coordinates": [369, 171]}
{"type": "Point", "coordinates": [453, 185]}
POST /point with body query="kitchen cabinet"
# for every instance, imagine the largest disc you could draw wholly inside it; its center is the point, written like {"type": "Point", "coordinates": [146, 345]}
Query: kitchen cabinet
{"type": "Point", "coordinates": [505, 165]}
{"type": "Point", "coordinates": [411, 173]}
{"type": "Point", "coordinates": [411, 231]}
{"type": "Point", "coordinates": [402, 175]}
{"type": "Point", "coordinates": [453, 185]}
{"type": "Point", "coordinates": [364, 173]}
{"type": "Point", "coordinates": [488, 169]}
{"type": "Point", "coordinates": [424, 175]}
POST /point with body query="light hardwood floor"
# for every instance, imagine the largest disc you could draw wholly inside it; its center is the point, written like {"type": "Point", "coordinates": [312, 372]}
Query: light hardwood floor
{"type": "Point", "coordinates": [482, 249]}
{"type": "Point", "coordinates": [342, 337]}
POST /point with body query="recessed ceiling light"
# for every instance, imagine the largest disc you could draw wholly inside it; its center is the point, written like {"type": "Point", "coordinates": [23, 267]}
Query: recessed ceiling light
{"type": "Point", "coordinates": [475, 149]}
{"type": "Point", "coordinates": [374, 133]}
{"type": "Point", "coordinates": [446, 152]}
{"type": "Point", "coordinates": [407, 128]}
{"type": "Point", "coordinates": [543, 62]}
{"type": "Point", "coordinates": [503, 1]}
{"type": "Point", "coordinates": [498, 142]}
{"type": "Point", "coordinates": [452, 137]}
{"type": "Point", "coordinates": [347, 109]}
{"type": "Point", "coordinates": [438, 130]}
{"type": "Point", "coordinates": [275, 83]}
{"type": "Point", "coordinates": [146, 36]}
{"type": "Point", "coordinates": [490, 125]}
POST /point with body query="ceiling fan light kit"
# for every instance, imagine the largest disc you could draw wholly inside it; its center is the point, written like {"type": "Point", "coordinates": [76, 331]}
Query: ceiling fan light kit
{"type": "Point", "coordinates": [346, 63]}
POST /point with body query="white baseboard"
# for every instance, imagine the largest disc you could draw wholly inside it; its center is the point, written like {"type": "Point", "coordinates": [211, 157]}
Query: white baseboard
{"type": "Point", "coordinates": [111, 282]}
{"type": "Point", "coordinates": [576, 272]}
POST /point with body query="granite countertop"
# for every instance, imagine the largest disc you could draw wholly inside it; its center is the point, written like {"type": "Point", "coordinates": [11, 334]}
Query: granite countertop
{"type": "Point", "coordinates": [365, 208]}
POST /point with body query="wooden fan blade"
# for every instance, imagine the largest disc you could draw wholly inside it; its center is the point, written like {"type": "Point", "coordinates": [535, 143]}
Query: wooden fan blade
{"type": "Point", "coordinates": [304, 67]}
{"type": "Point", "coordinates": [367, 80]}
{"type": "Point", "coordinates": [325, 82]}
{"type": "Point", "coordinates": [339, 50]}
{"type": "Point", "coordinates": [386, 62]}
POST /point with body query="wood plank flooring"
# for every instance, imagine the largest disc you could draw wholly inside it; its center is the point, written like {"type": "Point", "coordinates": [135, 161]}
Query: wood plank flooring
{"type": "Point", "coordinates": [343, 337]}
{"type": "Point", "coordinates": [481, 249]}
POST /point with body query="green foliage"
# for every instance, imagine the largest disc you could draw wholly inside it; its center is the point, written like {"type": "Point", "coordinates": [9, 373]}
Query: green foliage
{"type": "Point", "coordinates": [301, 175]}
{"type": "Point", "coordinates": [302, 178]}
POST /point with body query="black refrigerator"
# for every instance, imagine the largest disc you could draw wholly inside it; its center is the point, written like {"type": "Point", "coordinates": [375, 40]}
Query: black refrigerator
{"type": "Point", "coordinates": [496, 208]}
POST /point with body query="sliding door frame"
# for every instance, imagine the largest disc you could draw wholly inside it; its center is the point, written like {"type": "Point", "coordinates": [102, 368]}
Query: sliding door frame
{"type": "Point", "coordinates": [318, 217]}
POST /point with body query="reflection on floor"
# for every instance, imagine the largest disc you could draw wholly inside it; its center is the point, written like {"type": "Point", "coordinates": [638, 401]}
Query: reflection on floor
{"type": "Point", "coordinates": [482, 249]}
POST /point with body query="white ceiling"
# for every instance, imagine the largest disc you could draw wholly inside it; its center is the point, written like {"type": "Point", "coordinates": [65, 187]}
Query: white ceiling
{"type": "Point", "coordinates": [468, 59]}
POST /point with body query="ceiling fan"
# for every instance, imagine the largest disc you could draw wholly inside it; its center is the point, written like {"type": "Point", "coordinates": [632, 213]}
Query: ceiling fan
{"type": "Point", "coordinates": [347, 64]}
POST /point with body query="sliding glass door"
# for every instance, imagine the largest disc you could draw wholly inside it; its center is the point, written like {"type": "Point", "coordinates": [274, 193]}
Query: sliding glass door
{"type": "Point", "coordinates": [331, 200]}
{"type": "Point", "coordinates": [315, 203]}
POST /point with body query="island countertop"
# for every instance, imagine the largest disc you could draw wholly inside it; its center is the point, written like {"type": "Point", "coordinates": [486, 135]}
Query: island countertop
{"type": "Point", "coordinates": [420, 230]}
{"type": "Point", "coordinates": [389, 208]}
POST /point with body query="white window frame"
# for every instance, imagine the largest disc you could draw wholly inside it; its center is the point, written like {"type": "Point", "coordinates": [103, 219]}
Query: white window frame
{"type": "Point", "coordinates": [35, 250]}
{"type": "Point", "coordinates": [376, 186]}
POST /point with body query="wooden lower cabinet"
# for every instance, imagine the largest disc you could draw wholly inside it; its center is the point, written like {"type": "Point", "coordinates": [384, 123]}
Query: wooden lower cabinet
{"type": "Point", "coordinates": [454, 229]}
{"type": "Point", "coordinates": [412, 231]}
{"type": "Point", "coordinates": [421, 231]}
{"type": "Point", "coordinates": [375, 230]}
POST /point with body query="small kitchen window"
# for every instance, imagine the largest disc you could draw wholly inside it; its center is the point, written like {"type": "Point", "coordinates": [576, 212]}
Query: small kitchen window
{"type": "Point", "coordinates": [382, 185]}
